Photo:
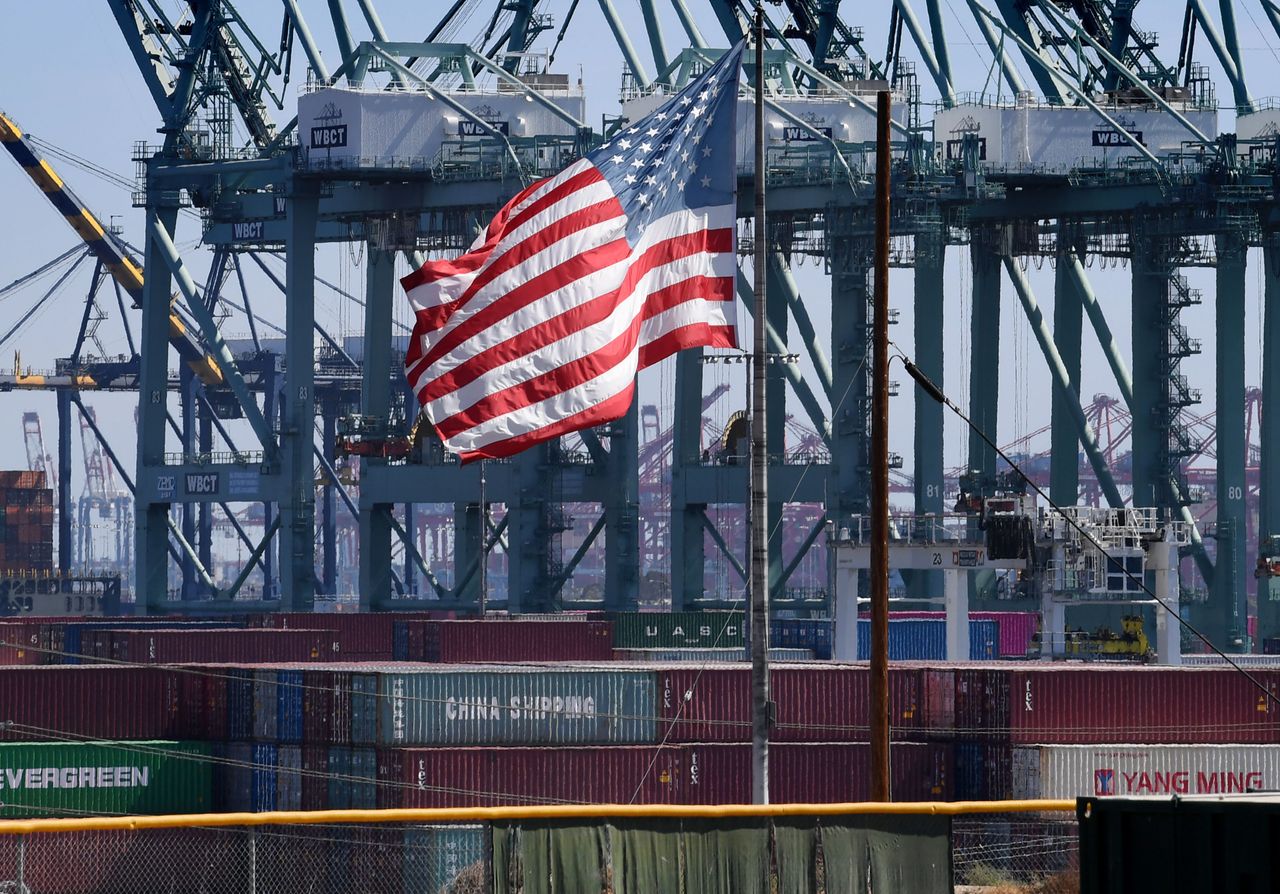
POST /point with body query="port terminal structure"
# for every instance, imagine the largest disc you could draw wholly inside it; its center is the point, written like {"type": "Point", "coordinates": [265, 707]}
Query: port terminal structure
{"type": "Point", "coordinates": [1077, 555]}
{"type": "Point", "coordinates": [1139, 173]}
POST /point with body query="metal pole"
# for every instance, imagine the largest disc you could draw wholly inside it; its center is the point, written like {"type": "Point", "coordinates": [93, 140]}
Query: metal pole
{"type": "Point", "coordinates": [484, 542]}
{"type": "Point", "coordinates": [880, 469]}
{"type": "Point", "coordinates": [759, 579]}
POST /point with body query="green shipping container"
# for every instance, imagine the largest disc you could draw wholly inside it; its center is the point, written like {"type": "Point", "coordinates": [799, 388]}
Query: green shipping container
{"type": "Point", "coordinates": [517, 706]}
{"type": "Point", "coordinates": [40, 779]}
{"type": "Point", "coordinates": [678, 630]}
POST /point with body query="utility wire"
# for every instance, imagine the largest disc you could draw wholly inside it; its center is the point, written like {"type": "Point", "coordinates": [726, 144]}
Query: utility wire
{"type": "Point", "coordinates": [938, 395]}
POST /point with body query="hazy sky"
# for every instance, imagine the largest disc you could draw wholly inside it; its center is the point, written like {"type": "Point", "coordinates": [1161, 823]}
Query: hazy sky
{"type": "Point", "coordinates": [80, 90]}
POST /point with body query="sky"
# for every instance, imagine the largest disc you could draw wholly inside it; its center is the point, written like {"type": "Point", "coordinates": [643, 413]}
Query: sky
{"type": "Point", "coordinates": [84, 94]}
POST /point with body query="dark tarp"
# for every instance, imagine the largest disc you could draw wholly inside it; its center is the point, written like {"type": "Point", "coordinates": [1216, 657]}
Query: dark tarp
{"type": "Point", "coordinates": [798, 855]}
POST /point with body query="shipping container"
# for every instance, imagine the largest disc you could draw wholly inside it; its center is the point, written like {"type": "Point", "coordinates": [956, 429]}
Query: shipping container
{"type": "Point", "coordinates": [177, 645]}
{"type": "Point", "coordinates": [1071, 705]}
{"type": "Point", "coordinates": [434, 856]}
{"type": "Point", "coordinates": [289, 777]}
{"type": "Point", "coordinates": [678, 630]}
{"type": "Point", "coordinates": [44, 779]}
{"type": "Point", "coordinates": [362, 636]}
{"type": "Point", "coordinates": [465, 777]}
{"type": "Point", "coordinates": [508, 640]}
{"type": "Point", "coordinates": [672, 774]}
{"type": "Point", "coordinates": [88, 702]}
{"type": "Point", "coordinates": [22, 642]}
{"type": "Point", "coordinates": [926, 640]}
{"type": "Point", "coordinates": [512, 705]}
{"type": "Point", "coordinates": [708, 656]}
{"type": "Point", "coordinates": [1074, 771]}
{"type": "Point", "coordinates": [814, 703]}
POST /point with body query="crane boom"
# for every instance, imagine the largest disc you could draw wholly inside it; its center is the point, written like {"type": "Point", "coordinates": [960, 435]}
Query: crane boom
{"type": "Point", "coordinates": [103, 244]}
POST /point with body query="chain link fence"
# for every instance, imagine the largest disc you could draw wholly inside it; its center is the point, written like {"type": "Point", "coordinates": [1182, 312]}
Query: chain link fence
{"type": "Point", "coordinates": [993, 853]}
{"type": "Point", "coordinates": [1016, 852]}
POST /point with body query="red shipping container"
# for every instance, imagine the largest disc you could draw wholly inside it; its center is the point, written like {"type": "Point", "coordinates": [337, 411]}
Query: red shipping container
{"type": "Point", "coordinates": [815, 703]}
{"type": "Point", "coordinates": [981, 700]}
{"type": "Point", "coordinates": [24, 643]}
{"type": "Point", "coordinates": [462, 642]}
{"type": "Point", "coordinates": [1141, 705]}
{"type": "Point", "coordinates": [87, 702]}
{"type": "Point", "coordinates": [364, 636]}
{"type": "Point", "coordinates": [222, 645]}
{"type": "Point", "coordinates": [820, 773]}
{"type": "Point", "coordinates": [465, 777]}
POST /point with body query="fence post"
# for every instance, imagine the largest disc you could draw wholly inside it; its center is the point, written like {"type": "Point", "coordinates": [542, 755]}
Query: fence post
{"type": "Point", "coordinates": [253, 861]}
{"type": "Point", "coordinates": [22, 864]}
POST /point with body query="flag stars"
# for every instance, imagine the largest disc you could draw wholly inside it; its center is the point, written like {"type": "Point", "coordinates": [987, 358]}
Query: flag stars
{"type": "Point", "coordinates": [706, 151]}
{"type": "Point", "coordinates": [705, 181]}
{"type": "Point", "coordinates": [630, 178]}
{"type": "Point", "coordinates": [637, 163]}
{"type": "Point", "coordinates": [642, 199]}
{"type": "Point", "coordinates": [653, 131]}
{"type": "Point", "coordinates": [646, 147]}
{"type": "Point", "coordinates": [617, 159]}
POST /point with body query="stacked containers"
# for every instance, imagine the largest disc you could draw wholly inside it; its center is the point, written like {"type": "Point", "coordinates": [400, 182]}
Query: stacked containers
{"type": "Point", "coordinates": [26, 524]}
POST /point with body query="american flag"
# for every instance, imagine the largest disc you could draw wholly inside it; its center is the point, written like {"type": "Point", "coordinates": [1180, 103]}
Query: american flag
{"type": "Point", "coordinates": [584, 278]}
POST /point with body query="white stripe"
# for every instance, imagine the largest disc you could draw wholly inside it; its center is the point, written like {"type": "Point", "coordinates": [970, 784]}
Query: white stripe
{"type": "Point", "coordinates": [572, 347]}
{"type": "Point", "coordinates": [687, 313]}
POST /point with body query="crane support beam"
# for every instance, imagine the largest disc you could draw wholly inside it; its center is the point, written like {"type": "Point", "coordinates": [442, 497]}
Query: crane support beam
{"type": "Point", "coordinates": [1269, 433]}
{"type": "Point", "coordinates": [1124, 381]}
{"type": "Point", "coordinates": [1063, 383]}
{"type": "Point", "coordinates": [1068, 323]}
{"type": "Point", "coordinates": [624, 43]}
{"type": "Point", "coordinates": [1227, 600]}
{"type": "Point", "coordinates": [930, 317]}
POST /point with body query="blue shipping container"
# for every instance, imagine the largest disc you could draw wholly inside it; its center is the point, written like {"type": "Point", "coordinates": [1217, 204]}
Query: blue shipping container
{"type": "Point", "coordinates": [516, 706]}
{"type": "Point", "coordinates": [435, 855]}
{"type": "Point", "coordinates": [364, 709]}
{"type": "Point", "coordinates": [289, 692]}
{"type": "Point", "coordinates": [264, 777]}
{"type": "Point", "coordinates": [926, 640]}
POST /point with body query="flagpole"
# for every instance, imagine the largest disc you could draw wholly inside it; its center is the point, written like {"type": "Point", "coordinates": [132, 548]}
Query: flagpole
{"type": "Point", "coordinates": [761, 707]}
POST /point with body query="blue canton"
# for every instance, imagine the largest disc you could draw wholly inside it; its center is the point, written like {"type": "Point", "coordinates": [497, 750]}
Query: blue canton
{"type": "Point", "coordinates": [682, 156]}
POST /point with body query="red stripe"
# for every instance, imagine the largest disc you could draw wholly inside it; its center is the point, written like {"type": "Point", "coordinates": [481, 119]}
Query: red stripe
{"type": "Point", "coordinates": [606, 411]}
{"type": "Point", "coordinates": [500, 225]}
{"type": "Point", "coordinates": [708, 288]}
{"type": "Point", "coordinates": [694, 335]}
{"type": "Point", "coordinates": [573, 319]}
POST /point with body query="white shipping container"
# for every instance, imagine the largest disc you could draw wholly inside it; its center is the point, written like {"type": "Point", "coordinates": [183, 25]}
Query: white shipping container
{"type": "Point", "coordinates": [837, 118]}
{"type": "Point", "coordinates": [349, 128]}
{"type": "Point", "coordinates": [1055, 138]}
{"type": "Point", "coordinates": [1073, 771]}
